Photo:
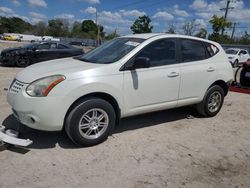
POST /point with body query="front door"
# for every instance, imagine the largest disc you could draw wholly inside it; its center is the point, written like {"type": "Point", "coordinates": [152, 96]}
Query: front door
{"type": "Point", "coordinates": [156, 87]}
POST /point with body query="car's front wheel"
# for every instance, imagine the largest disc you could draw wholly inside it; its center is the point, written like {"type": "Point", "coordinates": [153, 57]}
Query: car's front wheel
{"type": "Point", "coordinates": [22, 61]}
{"type": "Point", "coordinates": [212, 101]}
{"type": "Point", "coordinates": [90, 121]}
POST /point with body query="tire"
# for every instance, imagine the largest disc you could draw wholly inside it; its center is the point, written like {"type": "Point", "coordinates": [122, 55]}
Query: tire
{"type": "Point", "coordinates": [97, 119]}
{"type": "Point", "coordinates": [22, 61]}
{"type": "Point", "coordinates": [212, 101]}
{"type": "Point", "coordinates": [236, 63]}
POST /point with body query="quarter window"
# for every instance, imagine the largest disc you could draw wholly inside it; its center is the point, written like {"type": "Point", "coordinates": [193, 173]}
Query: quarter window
{"type": "Point", "coordinates": [161, 52]}
{"type": "Point", "coordinates": [192, 50]}
{"type": "Point", "coordinates": [212, 49]}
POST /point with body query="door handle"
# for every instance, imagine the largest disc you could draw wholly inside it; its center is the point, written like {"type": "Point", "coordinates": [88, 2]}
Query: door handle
{"type": "Point", "coordinates": [210, 69]}
{"type": "Point", "coordinates": [173, 74]}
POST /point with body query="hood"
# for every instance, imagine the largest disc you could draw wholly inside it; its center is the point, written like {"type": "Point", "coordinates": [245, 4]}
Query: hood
{"type": "Point", "coordinates": [8, 50]}
{"type": "Point", "coordinates": [231, 56]}
{"type": "Point", "coordinates": [67, 67]}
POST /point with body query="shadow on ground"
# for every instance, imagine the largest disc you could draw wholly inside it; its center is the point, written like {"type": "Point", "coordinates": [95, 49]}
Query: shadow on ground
{"type": "Point", "coordinates": [43, 139]}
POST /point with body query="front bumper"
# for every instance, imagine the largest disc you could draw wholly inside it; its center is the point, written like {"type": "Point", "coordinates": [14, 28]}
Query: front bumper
{"type": "Point", "coordinates": [13, 140]}
{"type": "Point", "coordinates": [10, 60]}
{"type": "Point", "coordinates": [41, 113]}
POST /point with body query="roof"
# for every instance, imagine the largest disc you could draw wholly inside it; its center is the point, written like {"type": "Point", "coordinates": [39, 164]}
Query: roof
{"type": "Point", "coordinates": [235, 49]}
{"type": "Point", "coordinates": [151, 35]}
{"type": "Point", "coordinates": [144, 35]}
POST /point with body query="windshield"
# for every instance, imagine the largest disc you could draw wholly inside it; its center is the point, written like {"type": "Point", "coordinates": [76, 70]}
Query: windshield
{"type": "Point", "coordinates": [111, 51]}
{"type": "Point", "coordinates": [233, 52]}
{"type": "Point", "coordinates": [29, 45]}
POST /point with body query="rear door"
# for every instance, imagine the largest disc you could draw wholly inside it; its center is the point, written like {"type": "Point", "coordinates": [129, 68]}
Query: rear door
{"type": "Point", "coordinates": [197, 69]}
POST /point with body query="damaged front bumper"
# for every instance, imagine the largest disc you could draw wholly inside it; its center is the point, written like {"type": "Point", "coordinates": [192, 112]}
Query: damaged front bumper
{"type": "Point", "coordinates": [4, 137]}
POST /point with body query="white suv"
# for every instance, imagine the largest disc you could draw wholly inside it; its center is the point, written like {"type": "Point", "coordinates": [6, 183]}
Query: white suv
{"type": "Point", "coordinates": [126, 76]}
{"type": "Point", "coordinates": [237, 56]}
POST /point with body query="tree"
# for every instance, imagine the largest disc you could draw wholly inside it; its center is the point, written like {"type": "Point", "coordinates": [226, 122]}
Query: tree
{"type": "Point", "coordinates": [76, 30]}
{"type": "Point", "coordinates": [142, 25]}
{"type": "Point", "coordinates": [202, 33]}
{"type": "Point", "coordinates": [89, 26]}
{"type": "Point", "coordinates": [111, 35]}
{"type": "Point", "coordinates": [189, 28]}
{"type": "Point", "coordinates": [14, 25]}
{"type": "Point", "coordinates": [58, 28]}
{"type": "Point", "coordinates": [40, 29]}
{"type": "Point", "coordinates": [219, 24]}
{"type": "Point", "coordinates": [171, 28]}
{"type": "Point", "coordinates": [245, 39]}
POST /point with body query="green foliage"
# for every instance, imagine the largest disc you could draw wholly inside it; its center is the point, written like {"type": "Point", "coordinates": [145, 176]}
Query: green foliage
{"type": "Point", "coordinates": [219, 24]}
{"type": "Point", "coordinates": [77, 30]}
{"type": "Point", "coordinates": [40, 29]}
{"type": "Point", "coordinates": [58, 28]}
{"type": "Point", "coordinates": [171, 28]}
{"type": "Point", "coordinates": [202, 33]}
{"type": "Point", "coordinates": [89, 26]}
{"type": "Point", "coordinates": [111, 35]}
{"type": "Point", "coordinates": [14, 25]}
{"type": "Point", "coordinates": [244, 39]}
{"type": "Point", "coordinates": [142, 25]}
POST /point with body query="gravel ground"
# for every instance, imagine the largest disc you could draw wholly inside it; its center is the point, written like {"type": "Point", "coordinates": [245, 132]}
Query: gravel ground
{"type": "Point", "coordinates": [162, 149]}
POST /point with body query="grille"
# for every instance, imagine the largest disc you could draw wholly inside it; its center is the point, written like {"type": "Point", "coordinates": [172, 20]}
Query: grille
{"type": "Point", "coordinates": [16, 86]}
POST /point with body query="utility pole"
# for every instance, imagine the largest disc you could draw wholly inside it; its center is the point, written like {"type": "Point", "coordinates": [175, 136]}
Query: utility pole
{"type": "Point", "coordinates": [232, 35]}
{"type": "Point", "coordinates": [96, 17]}
{"type": "Point", "coordinates": [227, 7]}
{"type": "Point", "coordinates": [226, 12]}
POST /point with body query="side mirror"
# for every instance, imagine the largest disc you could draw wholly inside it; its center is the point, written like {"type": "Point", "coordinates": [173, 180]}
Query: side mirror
{"type": "Point", "coordinates": [139, 63]}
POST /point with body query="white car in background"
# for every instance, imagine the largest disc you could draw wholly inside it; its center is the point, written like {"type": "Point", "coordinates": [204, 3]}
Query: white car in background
{"type": "Point", "coordinates": [129, 75]}
{"type": "Point", "coordinates": [237, 56]}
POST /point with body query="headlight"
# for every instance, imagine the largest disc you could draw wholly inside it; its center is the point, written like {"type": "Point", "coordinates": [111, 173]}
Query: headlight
{"type": "Point", "coordinates": [230, 57]}
{"type": "Point", "coordinates": [42, 87]}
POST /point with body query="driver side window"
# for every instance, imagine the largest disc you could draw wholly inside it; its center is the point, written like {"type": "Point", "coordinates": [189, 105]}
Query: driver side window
{"type": "Point", "coordinates": [160, 52]}
{"type": "Point", "coordinates": [43, 46]}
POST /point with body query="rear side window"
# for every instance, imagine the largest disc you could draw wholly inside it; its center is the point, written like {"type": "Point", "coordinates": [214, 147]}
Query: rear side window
{"type": "Point", "coordinates": [60, 46]}
{"type": "Point", "coordinates": [212, 49]}
{"type": "Point", "coordinates": [192, 50]}
{"type": "Point", "coordinates": [160, 52]}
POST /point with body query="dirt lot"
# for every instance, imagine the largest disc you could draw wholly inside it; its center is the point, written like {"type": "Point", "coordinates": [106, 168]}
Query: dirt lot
{"type": "Point", "coordinates": [163, 149]}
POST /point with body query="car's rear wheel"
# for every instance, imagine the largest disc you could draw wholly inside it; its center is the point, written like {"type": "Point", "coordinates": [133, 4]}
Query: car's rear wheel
{"type": "Point", "coordinates": [22, 61]}
{"type": "Point", "coordinates": [212, 102]}
{"type": "Point", "coordinates": [90, 122]}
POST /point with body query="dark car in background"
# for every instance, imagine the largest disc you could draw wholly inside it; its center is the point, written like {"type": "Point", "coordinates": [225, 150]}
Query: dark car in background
{"type": "Point", "coordinates": [37, 52]}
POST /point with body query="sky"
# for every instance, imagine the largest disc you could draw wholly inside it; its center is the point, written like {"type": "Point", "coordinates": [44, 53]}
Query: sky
{"type": "Point", "coordinates": [120, 15]}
